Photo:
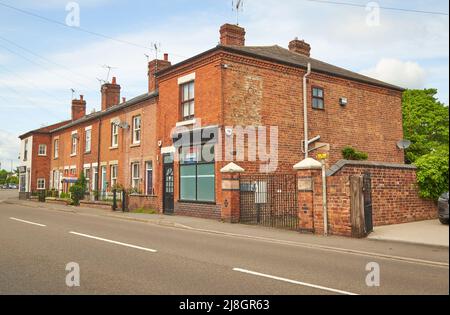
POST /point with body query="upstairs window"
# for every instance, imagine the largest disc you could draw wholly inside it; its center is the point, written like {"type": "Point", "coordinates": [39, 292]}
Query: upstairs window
{"type": "Point", "coordinates": [114, 135]}
{"type": "Point", "coordinates": [88, 140]}
{"type": "Point", "coordinates": [74, 144]}
{"type": "Point", "coordinates": [42, 150]}
{"type": "Point", "coordinates": [187, 100]}
{"type": "Point", "coordinates": [56, 149]}
{"type": "Point", "coordinates": [136, 129]}
{"type": "Point", "coordinates": [318, 98]}
{"type": "Point", "coordinates": [25, 150]}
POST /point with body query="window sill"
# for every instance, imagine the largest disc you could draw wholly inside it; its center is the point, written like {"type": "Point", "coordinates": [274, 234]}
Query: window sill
{"type": "Point", "coordinates": [186, 123]}
{"type": "Point", "coordinates": [211, 203]}
{"type": "Point", "coordinates": [43, 155]}
{"type": "Point", "coordinates": [73, 155]}
{"type": "Point", "coordinates": [113, 148]}
{"type": "Point", "coordinates": [88, 152]}
{"type": "Point", "coordinates": [135, 145]}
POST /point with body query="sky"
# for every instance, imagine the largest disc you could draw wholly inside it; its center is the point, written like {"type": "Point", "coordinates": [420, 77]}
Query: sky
{"type": "Point", "coordinates": [41, 61]}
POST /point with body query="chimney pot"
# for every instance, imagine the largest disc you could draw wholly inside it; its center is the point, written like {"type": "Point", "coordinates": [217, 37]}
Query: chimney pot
{"type": "Point", "coordinates": [124, 99]}
{"type": "Point", "coordinates": [78, 108]}
{"type": "Point", "coordinates": [110, 94]}
{"type": "Point", "coordinates": [232, 35]}
{"type": "Point", "coordinates": [300, 47]}
{"type": "Point", "coordinates": [153, 67]}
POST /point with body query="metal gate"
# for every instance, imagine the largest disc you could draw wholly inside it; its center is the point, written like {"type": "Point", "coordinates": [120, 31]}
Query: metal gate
{"type": "Point", "coordinates": [367, 191]}
{"type": "Point", "coordinates": [269, 200]}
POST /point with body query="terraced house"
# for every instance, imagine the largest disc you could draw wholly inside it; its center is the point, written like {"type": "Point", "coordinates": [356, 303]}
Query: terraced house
{"type": "Point", "coordinates": [140, 144]}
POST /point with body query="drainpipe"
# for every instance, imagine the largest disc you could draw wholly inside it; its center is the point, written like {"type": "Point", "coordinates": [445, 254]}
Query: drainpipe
{"type": "Point", "coordinates": [305, 110]}
{"type": "Point", "coordinates": [97, 184]}
{"type": "Point", "coordinates": [324, 199]}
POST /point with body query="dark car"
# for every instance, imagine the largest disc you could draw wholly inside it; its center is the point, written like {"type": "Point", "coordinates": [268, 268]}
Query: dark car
{"type": "Point", "coordinates": [443, 208]}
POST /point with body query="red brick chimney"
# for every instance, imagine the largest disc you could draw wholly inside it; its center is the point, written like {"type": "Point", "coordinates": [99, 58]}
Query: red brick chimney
{"type": "Point", "coordinates": [78, 108]}
{"type": "Point", "coordinates": [110, 94]}
{"type": "Point", "coordinates": [153, 67]}
{"type": "Point", "coordinates": [232, 35]}
{"type": "Point", "coordinates": [300, 47]}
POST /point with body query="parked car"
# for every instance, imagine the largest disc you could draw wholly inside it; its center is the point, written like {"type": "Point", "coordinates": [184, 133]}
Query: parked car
{"type": "Point", "coordinates": [443, 208]}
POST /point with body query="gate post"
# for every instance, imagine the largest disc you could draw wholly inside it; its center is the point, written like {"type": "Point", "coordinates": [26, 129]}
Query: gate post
{"type": "Point", "coordinates": [231, 205]}
{"type": "Point", "coordinates": [308, 172]}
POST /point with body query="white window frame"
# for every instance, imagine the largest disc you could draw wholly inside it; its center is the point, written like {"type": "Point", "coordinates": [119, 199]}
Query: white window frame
{"type": "Point", "coordinates": [135, 178]}
{"type": "Point", "coordinates": [88, 140]}
{"type": "Point", "coordinates": [25, 150]}
{"type": "Point", "coordinates": [42, 146]}
{"type": "Point", "coordinates": [114, 135]}
{"type": "Point", "coordinates": [39, 182]}
{"type": "Point", "coordinates": [137, 129]}
{"type": "Point", "coordinates": [56, 148]}
{"type": "Point", "coordinates": [114, 170]}
{"type": "Point", "coordinates": [74, 147]}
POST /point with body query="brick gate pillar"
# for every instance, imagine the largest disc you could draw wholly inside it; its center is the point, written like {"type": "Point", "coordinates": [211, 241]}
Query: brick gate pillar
{"type": "Point", "coordinates": [231, 203]}
{"type": "Point", "coordinates": [308, 173]}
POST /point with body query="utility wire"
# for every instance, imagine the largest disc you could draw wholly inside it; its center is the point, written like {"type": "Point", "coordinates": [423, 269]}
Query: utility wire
{"type": "Point", "coordinates": [80, 29]}
{"type": "Point", "coordinates": [381, 7]}
{"type": "Point", "coordinates": [28, 82]}
{"type": "Point", "coordinates": [42, 66]}
{"type": "Point", "coordinates": [43, 58]}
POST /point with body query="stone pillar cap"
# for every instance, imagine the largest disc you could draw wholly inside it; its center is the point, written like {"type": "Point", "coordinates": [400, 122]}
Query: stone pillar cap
{"type": "Point", "coordinates": [232, 168]}
{"type": "Point", "coordinates": [308, 164]}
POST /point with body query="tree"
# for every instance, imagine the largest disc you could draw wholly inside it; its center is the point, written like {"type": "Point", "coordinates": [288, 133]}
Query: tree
{"type": "Point", "coordinates": [426, 124]}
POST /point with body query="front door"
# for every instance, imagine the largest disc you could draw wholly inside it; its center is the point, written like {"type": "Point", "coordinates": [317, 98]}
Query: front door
{"type": "Point", "coordinates": [168, 184]}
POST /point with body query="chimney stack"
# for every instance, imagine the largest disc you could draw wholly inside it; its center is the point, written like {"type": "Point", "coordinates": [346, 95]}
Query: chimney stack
{"type": "Point", "coordinates": [232, 35]}
{"type": "Point", "coordinates": [78, 108]}
{"type": "Point", "coordinates": [153, 67]}
{"type": "Point", "coordinates": [300, 47]}
{"type": "Point", "coordinates": [110, 94]}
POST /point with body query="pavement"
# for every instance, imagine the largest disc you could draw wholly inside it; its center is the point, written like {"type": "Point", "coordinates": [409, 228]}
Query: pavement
{"type": "Point", "coordinates": [151, 254]}
{"type": "Point", "coordinates": [430, 232]}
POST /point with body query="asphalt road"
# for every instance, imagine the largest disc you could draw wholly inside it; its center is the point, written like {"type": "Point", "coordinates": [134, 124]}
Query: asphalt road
{"type": "Point", "coordinates": [125, 257]}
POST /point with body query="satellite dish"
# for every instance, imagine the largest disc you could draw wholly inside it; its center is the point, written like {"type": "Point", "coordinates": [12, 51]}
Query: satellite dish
{"type": "Point", "coordinates": [403, 144]}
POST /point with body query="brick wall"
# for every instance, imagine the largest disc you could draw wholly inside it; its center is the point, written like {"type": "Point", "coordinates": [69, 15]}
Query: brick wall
{"type": "Point", "coordinates": [143, 202]}
{"type": "Point", "coordinates": [40, 164]}
{"type": "Point", "coordinates": [395, 194]}
{"type": "Point", "coordinates": [196, 210]}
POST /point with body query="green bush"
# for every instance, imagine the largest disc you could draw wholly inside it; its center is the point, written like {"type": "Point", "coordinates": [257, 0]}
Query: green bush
{"type": "Point", "coordinates": [77, 192]}
{"type": "Point", "coordinates": [350, 153]}
{"type": "Point", "coordinates": [432, 174]}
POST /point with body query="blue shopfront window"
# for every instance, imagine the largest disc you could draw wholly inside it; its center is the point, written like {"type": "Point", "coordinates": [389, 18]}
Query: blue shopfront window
{"type": "Point", "coordinates": [197, 174]}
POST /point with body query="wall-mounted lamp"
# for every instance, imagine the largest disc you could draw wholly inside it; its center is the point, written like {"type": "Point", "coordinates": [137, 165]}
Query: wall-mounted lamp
{"type": "Point", "coordinates": [343, 101]}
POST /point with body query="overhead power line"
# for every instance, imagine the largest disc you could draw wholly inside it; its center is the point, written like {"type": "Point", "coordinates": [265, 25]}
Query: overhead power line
{"type": "Point", "coordinates": [43, 58]}
{"type": "Point", "coordinates": [78, 28]}
{"type": "Point", "coordinates": [381, 7]}
{"type": "Point", "coordinates": [42, 66]}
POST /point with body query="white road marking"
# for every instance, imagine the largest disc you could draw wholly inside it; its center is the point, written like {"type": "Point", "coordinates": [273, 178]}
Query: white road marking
{"type": "Point", "coordinates": [293, 281]}
{"type": "Point", "coordinates": [28, 222]}
{"type": "Point", "coordinates": [114, 242]}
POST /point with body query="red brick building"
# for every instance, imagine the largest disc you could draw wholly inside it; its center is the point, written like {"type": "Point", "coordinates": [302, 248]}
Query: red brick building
{"type": "Point", "coordinates": [209, 99]}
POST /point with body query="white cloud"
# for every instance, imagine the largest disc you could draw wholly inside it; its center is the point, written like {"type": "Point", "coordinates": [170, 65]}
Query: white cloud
{"type": "Point", "coordinates": [402, 73]}
{"type": "Point", "coordinates": [9, 148]}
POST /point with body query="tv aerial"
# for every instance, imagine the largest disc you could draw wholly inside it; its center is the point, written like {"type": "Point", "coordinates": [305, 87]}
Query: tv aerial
{"type": "Point", "coordinates": [109, 72]}
{"type": "Point", "coordinates": [404, 144]}
{"type": "Point", "coordinates": [238, 6]}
